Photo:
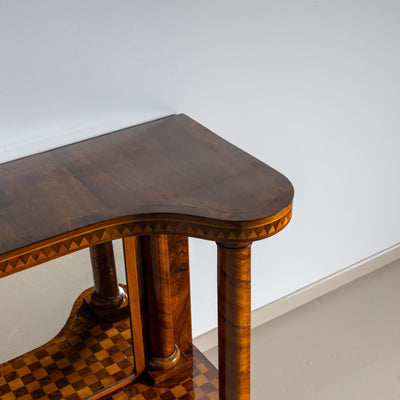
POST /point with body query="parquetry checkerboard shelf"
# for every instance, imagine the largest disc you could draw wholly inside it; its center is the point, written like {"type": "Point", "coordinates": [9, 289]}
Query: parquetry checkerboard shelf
{"type": "Point", "coordinates": [87, 357]}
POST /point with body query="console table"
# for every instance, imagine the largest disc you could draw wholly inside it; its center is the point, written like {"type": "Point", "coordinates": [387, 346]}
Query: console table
{"type": "Point", "coordinates": [153, 185]}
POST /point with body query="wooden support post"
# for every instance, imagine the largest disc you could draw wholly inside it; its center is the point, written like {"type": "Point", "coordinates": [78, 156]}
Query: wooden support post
{"type": "Point", "coordinates": [133, 282]}
{"type": "Point", "coordinates": [164, 358]}
{"type": "Point", "coordinates": [164, 353]}
{"type": "Point", "coordinates": [234, 321]}
{"type": "Point", "coordinates": [108, 300]}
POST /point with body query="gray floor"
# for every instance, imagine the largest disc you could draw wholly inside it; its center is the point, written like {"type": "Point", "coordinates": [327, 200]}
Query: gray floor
{"type": "Point", "coordinates": [344, 345]}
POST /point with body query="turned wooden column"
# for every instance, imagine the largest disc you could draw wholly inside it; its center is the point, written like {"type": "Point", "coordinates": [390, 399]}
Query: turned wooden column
{"type": "Point", "coordinates": [108, 300]}
{"type": "Point", "coordinates": [234, 321]}
{"type": "Point", "coordinates": [106, 292]}
{"type": "Point", "coordinates": [164, 354]}
{"type": "Point", "coordinates": [164, 304]}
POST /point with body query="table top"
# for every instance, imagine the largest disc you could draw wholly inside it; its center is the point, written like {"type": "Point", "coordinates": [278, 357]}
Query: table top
{"type": "Point", "coordinates": [172, 169]}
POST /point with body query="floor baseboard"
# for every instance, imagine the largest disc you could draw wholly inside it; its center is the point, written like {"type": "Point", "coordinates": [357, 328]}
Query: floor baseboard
{"type": "Point", "coordinates": [296, 299]}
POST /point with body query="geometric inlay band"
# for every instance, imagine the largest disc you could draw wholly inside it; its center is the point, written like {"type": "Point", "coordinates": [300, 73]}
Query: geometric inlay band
{"type": "Point", "coordinates": [50, 249]}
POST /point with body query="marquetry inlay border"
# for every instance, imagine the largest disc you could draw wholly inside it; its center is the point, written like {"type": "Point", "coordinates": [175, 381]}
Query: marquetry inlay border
{"type": "Point", "coordinates": [50, 249]}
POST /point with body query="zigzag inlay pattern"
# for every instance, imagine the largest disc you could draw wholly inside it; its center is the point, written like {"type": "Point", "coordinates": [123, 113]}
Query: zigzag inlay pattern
{"type": "Point", "coordinates": [88, 239]}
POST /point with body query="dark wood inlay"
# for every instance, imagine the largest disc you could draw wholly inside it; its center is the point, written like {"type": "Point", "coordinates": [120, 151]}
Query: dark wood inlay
{"type": "Point", "coordinates": [173, 171]}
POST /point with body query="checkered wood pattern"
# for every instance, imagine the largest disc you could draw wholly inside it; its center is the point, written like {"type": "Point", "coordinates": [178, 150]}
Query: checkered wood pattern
{"type": "Point", "coordinates": [83, 359]}
{"type": "Point", "coordinates": [202, 384]}
{"type": "Point", "coordinates": [20, 260]}
{"type": "Point", "coordinates": [87, 356]}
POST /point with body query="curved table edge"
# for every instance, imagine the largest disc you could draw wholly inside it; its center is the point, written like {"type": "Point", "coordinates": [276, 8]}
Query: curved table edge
{"type": "Point", "coordinates": [144, 224]}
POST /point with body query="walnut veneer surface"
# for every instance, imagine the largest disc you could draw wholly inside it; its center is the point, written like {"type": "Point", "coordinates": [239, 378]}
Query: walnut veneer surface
{"type": "Point", "coordinates": [170, 176]}
{"type": "Point", "coordinates": [154, 185]}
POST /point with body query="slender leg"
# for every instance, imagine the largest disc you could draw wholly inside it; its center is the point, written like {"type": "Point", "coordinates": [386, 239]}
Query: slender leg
{"type": "Point", "coordinates": [234, 321]}
{"type": "Point", "coordinates": [164, 357]}
{"type": "Point", "coordinates": [164, 353]}
{"type": "Point", "coordinates": [132, 279]}
{"type": "Point", "coordinates": [106, 292]}
{"type": "Point", "coordinates": [178, 249]}
{"type": "Point", "coordinates": [107, 298]}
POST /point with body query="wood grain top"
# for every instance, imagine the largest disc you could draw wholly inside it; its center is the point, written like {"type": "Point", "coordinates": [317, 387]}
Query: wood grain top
{"type": "Point", "coordinates": [171, 168]}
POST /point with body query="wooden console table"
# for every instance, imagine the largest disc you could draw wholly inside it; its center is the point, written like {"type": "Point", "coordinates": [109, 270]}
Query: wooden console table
{"type": "Point", "coordinates": [153, 185]}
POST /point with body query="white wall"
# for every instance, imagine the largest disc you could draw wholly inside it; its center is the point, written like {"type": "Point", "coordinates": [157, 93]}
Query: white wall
{"type": "Point", "coordinates": [310, 87]}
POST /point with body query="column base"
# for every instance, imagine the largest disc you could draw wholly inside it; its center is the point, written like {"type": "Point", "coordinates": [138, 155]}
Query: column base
{"type": "Point", "coordinates": [109, 314]}
{"type": "Point", "coordinates": [158, 375]}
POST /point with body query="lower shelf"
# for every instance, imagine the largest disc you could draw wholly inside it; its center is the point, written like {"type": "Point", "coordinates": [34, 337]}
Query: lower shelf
{"type": "Point", "coordinates": [201, 384]}
{"type": "Point", "coordinates": [87, 357]}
